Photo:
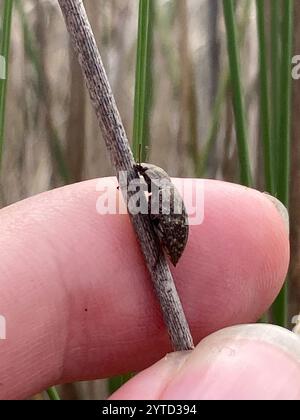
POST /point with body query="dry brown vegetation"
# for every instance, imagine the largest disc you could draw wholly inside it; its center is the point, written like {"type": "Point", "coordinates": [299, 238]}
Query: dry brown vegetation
{"type": "Point", "coordinates": [52, 137]}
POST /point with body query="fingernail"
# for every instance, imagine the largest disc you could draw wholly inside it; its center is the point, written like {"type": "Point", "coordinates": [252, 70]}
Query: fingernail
{"type": "Point", "coordinates": [282, 210]}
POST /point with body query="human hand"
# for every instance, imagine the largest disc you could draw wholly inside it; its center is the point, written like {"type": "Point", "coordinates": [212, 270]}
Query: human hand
{"type": "Point", "coordinates": [79, 303]}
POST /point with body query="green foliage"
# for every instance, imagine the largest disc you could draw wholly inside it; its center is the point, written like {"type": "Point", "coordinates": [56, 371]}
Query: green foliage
{"type": "Point", "coordinates": [280, 307]}
{"type": "Point", "coordinates": [237, 92]}
{"type": "Point", "coordinates": [143, 79]}
{"type": "Point", "coordinates": [142, 106]}
{"type": "Point", "coordinates": [53, 394]}
{"type": "Point", "coordinates": [4, 52]}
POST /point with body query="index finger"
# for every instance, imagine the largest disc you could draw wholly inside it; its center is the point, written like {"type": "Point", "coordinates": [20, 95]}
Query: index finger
{"type": "Point", "coordinates": [77, 297]}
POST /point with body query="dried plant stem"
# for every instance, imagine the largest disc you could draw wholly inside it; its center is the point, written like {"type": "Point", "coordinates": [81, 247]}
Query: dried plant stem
{"type": "Point", "coordinates": [122, 158]}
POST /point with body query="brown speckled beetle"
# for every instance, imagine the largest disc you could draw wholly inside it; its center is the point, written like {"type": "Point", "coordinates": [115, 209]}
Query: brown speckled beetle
{"type": "Point", "coordinates": [171, 221]}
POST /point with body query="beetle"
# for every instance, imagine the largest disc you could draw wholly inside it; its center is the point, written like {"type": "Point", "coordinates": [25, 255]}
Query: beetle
{"type": "Point", "coordinates": [170, 220]}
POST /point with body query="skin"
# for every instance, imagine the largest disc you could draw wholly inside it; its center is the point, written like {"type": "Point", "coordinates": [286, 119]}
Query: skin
{"type": "Point", "coordinates": [79, 303]}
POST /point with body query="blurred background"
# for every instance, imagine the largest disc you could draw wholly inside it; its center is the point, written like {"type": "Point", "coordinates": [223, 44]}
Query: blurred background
{"type": "Point", "coordinates": [52, 137]}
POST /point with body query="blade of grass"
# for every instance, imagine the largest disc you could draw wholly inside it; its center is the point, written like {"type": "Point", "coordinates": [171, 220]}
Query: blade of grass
{"type": "Point", "coordinates": [275, 81]}
{"type": "Point", "coordinates": [264, 97]}
{"type": "Point", "coordinates": [148, 102]}
{"type": "Point", "coordinates": [285, 102]}
{"type": "Point", "coordinates": [268, 151]}
{"type": "Point", "coordinates": [142, 76]}
{"type": "Point", "coordinates": [237, 96]}
{"type": "Point", "coordinates": [142, 108]}
{"type": "Point", "coordinates": [4, 52]}
{"type": "Point", "coordinates": [117, 381]}
{"type": "Point", "coordinates": [53, 394]}
{"type": "Point", "coordinates": [279, 309]}
{"type": "Point", "coordinates": [202, 160]}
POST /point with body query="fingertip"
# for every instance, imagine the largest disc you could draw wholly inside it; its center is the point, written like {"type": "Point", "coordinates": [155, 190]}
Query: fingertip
{"type": "Point", "coordinates": [150, 383]}
{"type": "Point", "coordinates": [247, 362]}
{"type": "Point", "coordinates": [239, 256]}
{"type": "Point", "coordinates": [232, 269]}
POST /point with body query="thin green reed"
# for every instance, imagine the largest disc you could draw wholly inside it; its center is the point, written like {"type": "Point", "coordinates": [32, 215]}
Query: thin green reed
{"type": "Point", "coordinates": [4, 60]}
{"type": "Point", "coordinates": [53, 394]}
{"type": "Point", "coordinates": [285, 102]}
{"type": "Point", "coordinates": [142, 107]}
{"type": "Point", "coordinates": [264, 97]}
{"type": "Point", "coordinates": [224, 83]}
{"type": "Point", "coordinates": [280, 307]}
{"type": "Point", "coordinates": [117, 381]}
{"type": "Point", "coordinates": [275, 44]}
{"type": "Point", "coordinates": [148, 83]}
{"type": "Point", "coordinates": [141, 78]}
{"type": "Point", "coordinates": [237, 95]}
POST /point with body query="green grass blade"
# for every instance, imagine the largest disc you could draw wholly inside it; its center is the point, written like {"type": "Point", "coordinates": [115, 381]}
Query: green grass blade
{"type": "Point", "coordinates": [148, 83]}
{"type": "Point", "coordinates": [117, 381]}
{"type": "Point", "coordinates": [202, 161]}
{"type": "Point", "coordinates": [264, 97]}
{"type": "Point", "coordinates": [141, 78]}
{"type": "Point", "coordinates": [237, 96]}
{"type": "Point", "coordinates": [53, 394]}
{"type": "Point", "coordinates": [279, 309]}
{"type": "Point", "coordinates": [285, 103]}
{"type": "Point", "coordinates": [4, 51]}
{"type": "Point", "coordinates": [142, 107]}
{"type": "Point", "coordinates": [275, 81]}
